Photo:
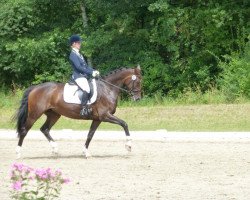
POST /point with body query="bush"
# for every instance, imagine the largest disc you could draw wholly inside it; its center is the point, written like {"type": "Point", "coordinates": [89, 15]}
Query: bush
{"type": "Point", "coordinates": [235, 80]}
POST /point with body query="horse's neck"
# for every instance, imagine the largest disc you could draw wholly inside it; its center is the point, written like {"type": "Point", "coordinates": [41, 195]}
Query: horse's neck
{"type": "Point", "coordinates": [113, 84]}
{"type": "Point", "coordinates": [117, 79]}
{"type": "Point", "coordinates": [110, 88]}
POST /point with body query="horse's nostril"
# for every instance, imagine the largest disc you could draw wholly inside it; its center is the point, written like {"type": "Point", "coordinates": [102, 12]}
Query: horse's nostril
{"type": "Point", "coordinates": [137, 98]}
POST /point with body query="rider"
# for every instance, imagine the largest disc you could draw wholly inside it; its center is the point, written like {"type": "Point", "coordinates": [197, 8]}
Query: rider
{"type": "Point", "coordinates": [81, 72]}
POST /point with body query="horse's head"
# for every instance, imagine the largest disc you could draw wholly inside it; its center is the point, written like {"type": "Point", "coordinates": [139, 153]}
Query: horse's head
{"type": "Point", "coordinates": [133, 82]}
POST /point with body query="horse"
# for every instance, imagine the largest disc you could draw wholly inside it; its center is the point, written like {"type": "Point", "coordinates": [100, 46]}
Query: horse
{"type": "Point", "coordinates": [47, 98]}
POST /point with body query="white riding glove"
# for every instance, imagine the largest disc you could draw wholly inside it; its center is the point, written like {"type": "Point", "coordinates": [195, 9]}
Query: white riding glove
{"type": "Point", "coordinates": [95, 73]}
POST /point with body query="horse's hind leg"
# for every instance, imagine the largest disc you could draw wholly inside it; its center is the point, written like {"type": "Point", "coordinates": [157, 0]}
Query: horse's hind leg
{"type": "Point", "coordinates": [52, 118]}
{"type": "Point", "coordinates": [93, 127]}
{"type": "Point", "coordinates": [24, 130]}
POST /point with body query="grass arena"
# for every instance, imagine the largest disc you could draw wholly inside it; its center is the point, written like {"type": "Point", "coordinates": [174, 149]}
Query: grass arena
{"type": "Point", "coordinates": [162, 165]}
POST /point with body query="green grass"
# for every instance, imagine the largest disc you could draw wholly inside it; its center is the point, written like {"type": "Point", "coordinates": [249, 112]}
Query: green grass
{"type": "Point", "coordinates": [191, 112]}
{"type": "Point", "coordinates": [220, 117]}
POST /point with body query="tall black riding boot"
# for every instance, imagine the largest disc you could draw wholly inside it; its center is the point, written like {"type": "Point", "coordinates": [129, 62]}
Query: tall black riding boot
{"type": "Point", "coordinates": [86, 110]}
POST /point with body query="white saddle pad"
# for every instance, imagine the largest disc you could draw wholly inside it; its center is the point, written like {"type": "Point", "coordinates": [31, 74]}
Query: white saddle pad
{"type": "Point", "coordinates": [70, 94]}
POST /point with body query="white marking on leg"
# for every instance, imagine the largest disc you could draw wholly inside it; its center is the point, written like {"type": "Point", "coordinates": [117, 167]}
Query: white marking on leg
{"type": "Point", "coordinates": [86, 152]}
{"type": "Point", "coordinates": [54, 147]}
{"type": "Point", "coordinates": [18, 152]}
{"type": "Point", "coordinates": [128, 144]}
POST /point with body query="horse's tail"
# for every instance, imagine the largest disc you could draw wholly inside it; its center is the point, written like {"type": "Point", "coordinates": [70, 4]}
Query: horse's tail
{"type": "Point", "coordinates": [22, 113]}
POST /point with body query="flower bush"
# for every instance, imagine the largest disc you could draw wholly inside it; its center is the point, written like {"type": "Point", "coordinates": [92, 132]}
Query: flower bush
{"type": "Point", "coordinates": [29, 183]}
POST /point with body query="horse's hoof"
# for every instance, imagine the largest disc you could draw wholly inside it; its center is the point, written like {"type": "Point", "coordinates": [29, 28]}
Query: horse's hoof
{"type": "Point", "coordinates": [54, 148]}
{"type": "Point", "coordinates": [87, 156]}
{"type": "Point", "coordinates": [18, 152]}
{"type": "Point", "coordinates": [128, 147]}
{"type": "Point", "coordinates": [55, 153]}
{"type": "Point", "coordinates": [128, 144]}
{"type": "Point", "coordinates": [86, 153]}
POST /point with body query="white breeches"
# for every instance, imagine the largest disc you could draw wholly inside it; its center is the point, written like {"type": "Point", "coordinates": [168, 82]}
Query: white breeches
{"type": "Point", "coordinates": [83, 84]}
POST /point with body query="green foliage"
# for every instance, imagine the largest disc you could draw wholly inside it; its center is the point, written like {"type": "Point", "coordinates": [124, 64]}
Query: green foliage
{"type": "Point", "coordinates": [178, 44]}
{"type": "Point", "coordinates": [16, 18]}
{"type": "Point", "coordinates": [181, 45]}
{"type": "Point", "coordinates": [235, 80]}
{"type": "Point", "coordinates": [33, 47]}
{"type": "Point", "coordinates": [30, 61]}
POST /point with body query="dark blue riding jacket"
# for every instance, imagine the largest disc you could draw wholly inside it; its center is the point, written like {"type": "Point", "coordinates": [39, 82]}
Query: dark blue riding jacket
{"type": "Point", "coordinates": [79, 65]}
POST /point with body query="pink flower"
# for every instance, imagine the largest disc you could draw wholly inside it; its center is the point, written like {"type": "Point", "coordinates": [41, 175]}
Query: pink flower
{"type": "Point", "coordinates": [58, 172]}
{"type": "Point", "coordinates": [24, 177]}
{"type": "Point", "coordinates": [17, 185]}
{"type": "Point", "coordinates": [66, 180]}
{"type": "Point", "coordinates": [18, 166]}
{"type": "Point", "coordinates": [29, 169]}
{"type": "Point", "coordinates": [21, 168]}
{"type": "Point", "coordinates": [41, 173]}
{"type": "Point", "coordinates": [52, 175]}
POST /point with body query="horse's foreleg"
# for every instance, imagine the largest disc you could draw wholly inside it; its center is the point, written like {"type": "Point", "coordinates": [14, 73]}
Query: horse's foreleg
{"type": "Point", "coordinates": [115, 120]}
{"type": "Point", "coordinates": [52, 118]}
{"type": "Point", "coordinates": [93, 127]}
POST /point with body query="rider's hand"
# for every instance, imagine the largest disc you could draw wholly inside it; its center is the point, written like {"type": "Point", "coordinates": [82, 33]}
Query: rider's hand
{"type": "Point", "coordinates": [95, 73]}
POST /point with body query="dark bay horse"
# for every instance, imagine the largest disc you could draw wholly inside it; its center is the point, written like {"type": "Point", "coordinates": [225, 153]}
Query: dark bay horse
{"type": "Point", "coordinates": [47, 98]}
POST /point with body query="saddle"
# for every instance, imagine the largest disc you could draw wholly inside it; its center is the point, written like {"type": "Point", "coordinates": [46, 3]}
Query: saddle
{"type": "Point", "coordinates": [72, 93]}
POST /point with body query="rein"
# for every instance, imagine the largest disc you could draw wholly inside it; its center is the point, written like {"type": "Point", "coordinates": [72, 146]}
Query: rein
{"type": "Point", "coordinates": [115, 86]}
{"type": "Point", "coordinates": [130, 92]}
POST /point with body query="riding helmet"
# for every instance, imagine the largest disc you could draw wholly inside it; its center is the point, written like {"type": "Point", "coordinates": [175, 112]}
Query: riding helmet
{"type": "Point", "coordinates": [74, 38]}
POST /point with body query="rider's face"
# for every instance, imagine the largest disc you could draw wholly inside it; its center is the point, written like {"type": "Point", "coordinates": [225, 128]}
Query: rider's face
{"type": "Point", "coordinates": [77, 45]}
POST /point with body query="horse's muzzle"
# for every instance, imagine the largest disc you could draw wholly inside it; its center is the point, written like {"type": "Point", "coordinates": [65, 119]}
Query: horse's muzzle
{"type": "Point", "coordinates": [136, 98]}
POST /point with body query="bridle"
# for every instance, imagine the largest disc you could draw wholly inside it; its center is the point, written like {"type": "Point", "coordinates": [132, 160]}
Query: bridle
{"type": "Point", "coordinates": [132, 91]}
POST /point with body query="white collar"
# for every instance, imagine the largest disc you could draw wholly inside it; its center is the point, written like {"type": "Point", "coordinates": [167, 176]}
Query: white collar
{"type": "Point", "coordinates": [76, 50]}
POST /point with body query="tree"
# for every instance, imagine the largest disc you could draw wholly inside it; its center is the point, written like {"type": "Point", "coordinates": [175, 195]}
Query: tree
{"type": "Point", "coordinates": [179, 44]}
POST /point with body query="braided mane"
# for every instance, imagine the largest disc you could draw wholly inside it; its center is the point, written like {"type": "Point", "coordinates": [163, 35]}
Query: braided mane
{"type": "Point", "coordinates": [115, 71]}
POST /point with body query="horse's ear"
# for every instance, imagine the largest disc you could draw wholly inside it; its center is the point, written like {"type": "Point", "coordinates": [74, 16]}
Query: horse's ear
{"type": "Point", "coordinates": [138, 69]}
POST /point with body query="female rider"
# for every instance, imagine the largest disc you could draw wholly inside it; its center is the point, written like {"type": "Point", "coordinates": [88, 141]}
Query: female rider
{"type": "Point", "coordinates": [81, 72]}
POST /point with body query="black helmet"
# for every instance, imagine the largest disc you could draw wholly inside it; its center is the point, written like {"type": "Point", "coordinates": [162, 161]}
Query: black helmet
{"type": "Point", "coordinates": [74, 38]}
